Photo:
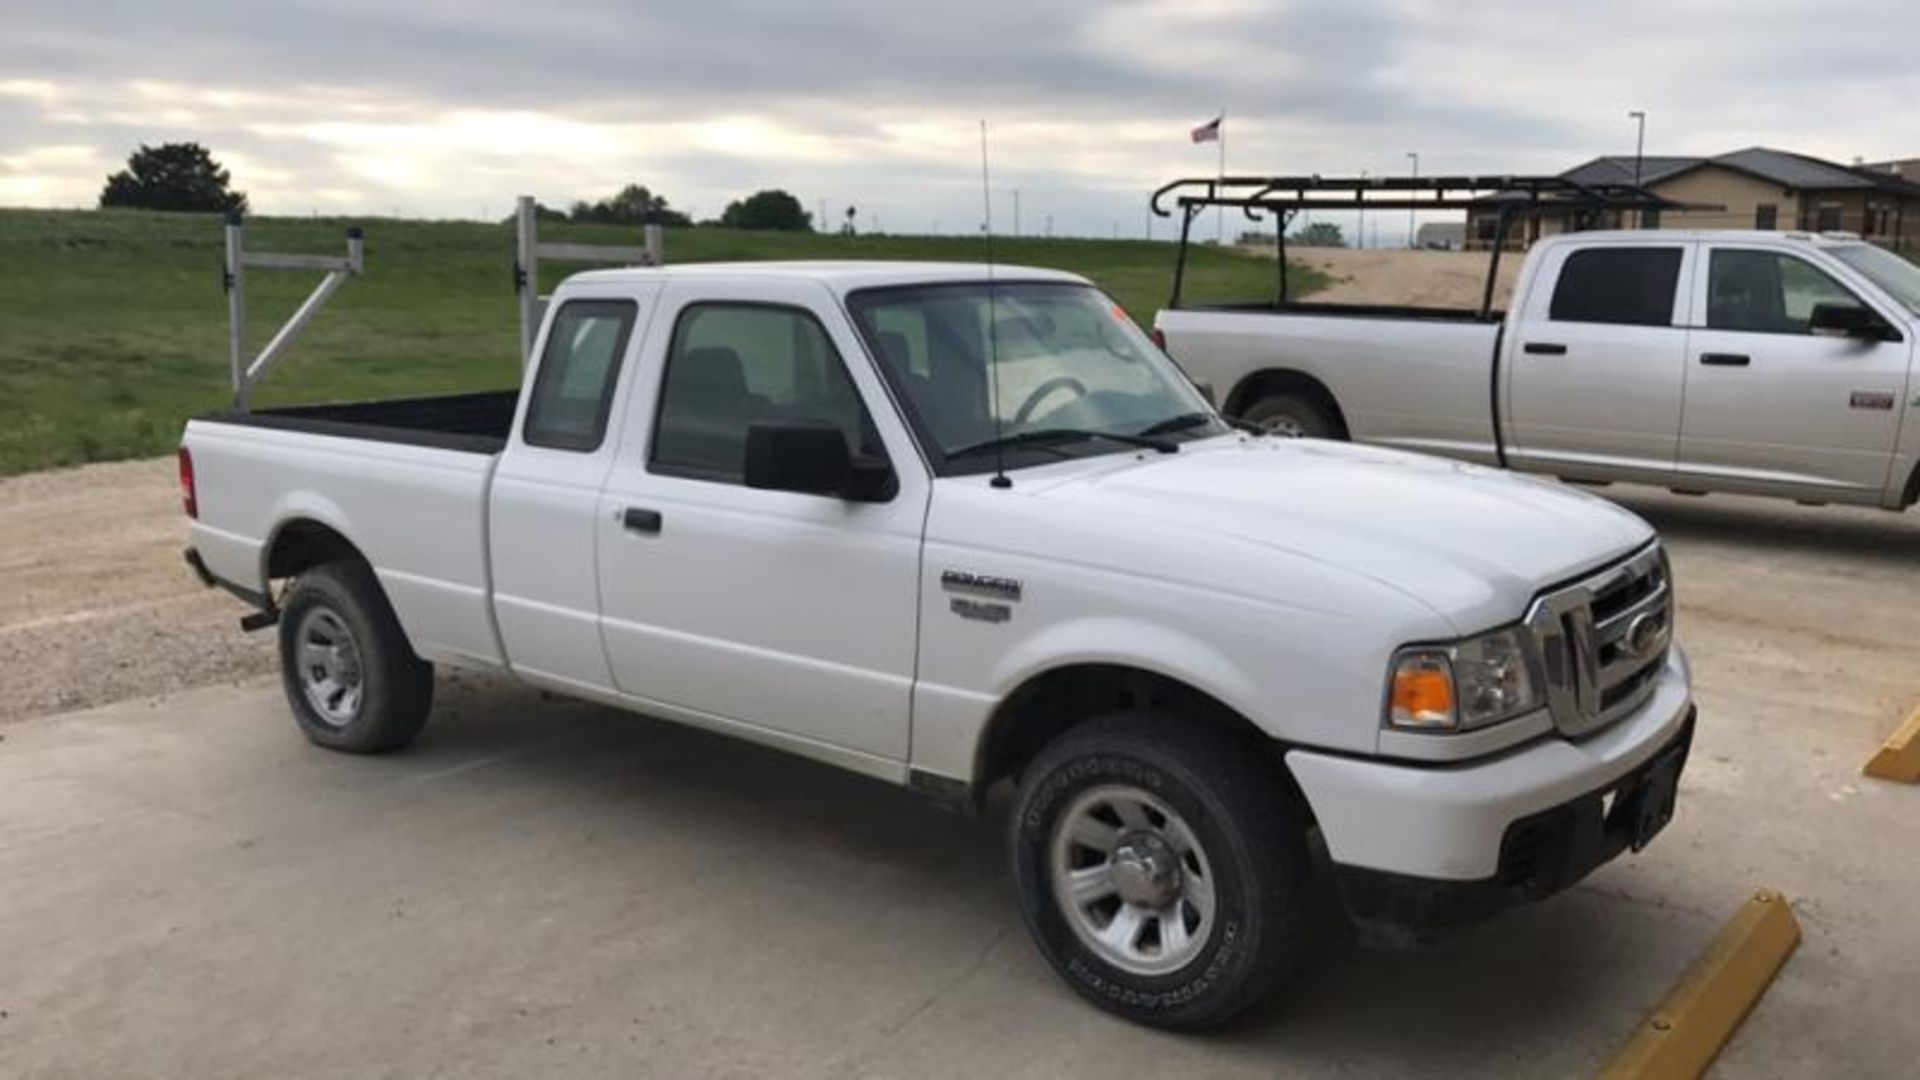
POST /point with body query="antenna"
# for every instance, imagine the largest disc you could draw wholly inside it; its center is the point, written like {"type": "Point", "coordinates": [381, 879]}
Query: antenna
{"type": "Point", "coordinates": [1000, 478]}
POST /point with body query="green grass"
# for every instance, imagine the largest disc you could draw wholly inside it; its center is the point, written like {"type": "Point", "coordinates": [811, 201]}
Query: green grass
{"type": "Point", "coordinates": [113, 323]}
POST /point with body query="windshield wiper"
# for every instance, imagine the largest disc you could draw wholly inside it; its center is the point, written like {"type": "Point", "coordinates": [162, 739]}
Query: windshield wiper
{"type": "Point", "coordinates": [1175, 423]}
{"type": "Point", "coordinates": [1046, 436]}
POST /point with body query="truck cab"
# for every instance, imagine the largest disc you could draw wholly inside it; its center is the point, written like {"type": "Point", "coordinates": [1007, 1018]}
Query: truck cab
{"type": "Point", "coordinates": [1751, 362]}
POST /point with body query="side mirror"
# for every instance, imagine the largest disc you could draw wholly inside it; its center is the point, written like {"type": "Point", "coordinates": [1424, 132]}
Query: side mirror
{"type": "Point", "coordinates": [811, 457]}
{"type": "Point", "coordinates": [1847, 320]}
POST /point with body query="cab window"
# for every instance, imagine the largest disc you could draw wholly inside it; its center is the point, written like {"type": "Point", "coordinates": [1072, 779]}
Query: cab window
{"type": "Point", "coordinates": [1767, 292]}
{"type": "Point", "coordinates": [1624, 286]}
{"type": "Point", "coordinates": [573, 393]}
{"type": "Point", "coordinates": [732, 365]}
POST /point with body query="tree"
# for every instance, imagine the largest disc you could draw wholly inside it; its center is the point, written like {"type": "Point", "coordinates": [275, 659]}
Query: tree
{"type": "Point", "coordinates": [173, 176]}
{"type": "Point", "coordinates": [1319, 234]}
{"type": "Point", "coordinates": [772, 209]}
{"type": "Point", "coordinates": [633, 204]}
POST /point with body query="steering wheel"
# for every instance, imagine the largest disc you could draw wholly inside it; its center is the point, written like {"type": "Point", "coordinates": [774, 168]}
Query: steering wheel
{"type": "Point", "coordinates": [1058, 382]}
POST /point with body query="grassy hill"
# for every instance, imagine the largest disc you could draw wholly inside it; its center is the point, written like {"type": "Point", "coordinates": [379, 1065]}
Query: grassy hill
{"type": "Point", "coordinates": [113, 323]}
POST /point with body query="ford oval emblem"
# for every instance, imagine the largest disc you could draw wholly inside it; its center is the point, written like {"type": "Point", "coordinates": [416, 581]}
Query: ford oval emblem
{"type": "Point", "coordinates": [1643, 635]}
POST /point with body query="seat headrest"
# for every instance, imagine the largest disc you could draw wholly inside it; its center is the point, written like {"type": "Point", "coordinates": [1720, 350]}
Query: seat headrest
{"type": "Point", "coordinates": [893, 348]}
{"type": "Point", "coordinates": [713, 370]}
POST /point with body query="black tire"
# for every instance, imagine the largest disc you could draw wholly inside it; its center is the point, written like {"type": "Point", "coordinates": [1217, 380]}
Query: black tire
{"type": "Point", "coordinates": [1293, 415]}
{"type": "Point", "coordinates": [395, 687]}
{"type": "Point", "coordinates": [1253, 836]}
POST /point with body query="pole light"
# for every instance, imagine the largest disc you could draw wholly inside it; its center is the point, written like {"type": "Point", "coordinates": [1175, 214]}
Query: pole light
{"type": "Point", "coordinates": [1415, 158]}
{"type": "Point", "coordinates": [1639, 143]}
{"type": "Point", "coordinates": [1363, 215]}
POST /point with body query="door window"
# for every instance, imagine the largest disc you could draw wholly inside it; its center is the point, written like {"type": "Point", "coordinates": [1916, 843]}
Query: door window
{"type": "Point", "coordinates": [1765, 292]}
{"type": "Point", "coordinates": [573, 393]}
{"type": "Point", "coordinates": [1620, 285]}
{"type": "Point", "coordinates": [733, 365]}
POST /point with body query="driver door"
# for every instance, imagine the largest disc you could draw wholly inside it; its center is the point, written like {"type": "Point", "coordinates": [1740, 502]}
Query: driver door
{"type": "Point", "coordinates": [781, 611]}
{"type": "Point", "coordinates": [1772, 404]}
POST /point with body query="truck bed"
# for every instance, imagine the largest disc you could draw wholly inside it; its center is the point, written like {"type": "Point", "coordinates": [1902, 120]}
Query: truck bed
{"type": "Point", "coordinates": [1413, 378]}
{"type": "Point", "coordinates": [475, 422]}
{"type": "Point", "coordinates": [406, 480]}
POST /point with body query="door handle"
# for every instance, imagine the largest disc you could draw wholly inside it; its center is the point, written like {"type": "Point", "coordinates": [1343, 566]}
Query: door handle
{"type": "Point", "coordinates": [1725, 359]}
{"type": "Point", "coordinates": [641, 521]}
{"type": "Point", "coordinates": [1543, 348]}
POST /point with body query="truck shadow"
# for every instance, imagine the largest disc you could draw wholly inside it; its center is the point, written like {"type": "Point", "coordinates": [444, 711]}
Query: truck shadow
{"type": "Point", "coordinates": [1772, 525]}
{"type": "Point", "coordinates": [1549, 989]}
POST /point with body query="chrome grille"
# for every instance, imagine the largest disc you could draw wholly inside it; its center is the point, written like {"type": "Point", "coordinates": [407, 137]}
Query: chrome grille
{"type": "Point", "coordinates": [1603, 640]}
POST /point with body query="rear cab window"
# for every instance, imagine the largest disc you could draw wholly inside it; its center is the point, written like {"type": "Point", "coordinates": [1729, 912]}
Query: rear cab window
{"type": "Point", "coordinates": [1619, 286]}
{"type": "Point", "coordinates": [572, 395]}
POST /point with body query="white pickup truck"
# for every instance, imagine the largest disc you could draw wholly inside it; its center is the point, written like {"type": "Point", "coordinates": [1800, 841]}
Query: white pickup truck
{"type": "Point", "coordinates": [1761, 363]}
{"type": "Point", "coordinates": [948, 526]}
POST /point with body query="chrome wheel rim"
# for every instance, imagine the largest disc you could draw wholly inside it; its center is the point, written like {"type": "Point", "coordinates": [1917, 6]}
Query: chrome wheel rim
{"type": "Point", "coordinates": [328, 666]}
{"type": "Point", "coordinates": [1284, 426]}
{"type": "Point", "coordinates": [1132, 880]}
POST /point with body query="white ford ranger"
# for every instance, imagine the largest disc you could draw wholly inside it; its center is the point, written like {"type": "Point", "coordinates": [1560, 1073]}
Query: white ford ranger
{"type": "Point", "coordinates": [947, 526]}
{"type": "Point", "coordinates": [1761, 363]}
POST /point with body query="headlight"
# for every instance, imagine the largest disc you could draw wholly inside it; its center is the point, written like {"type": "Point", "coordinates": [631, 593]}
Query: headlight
{"type": "Point", "coordinates": [1466, 685]}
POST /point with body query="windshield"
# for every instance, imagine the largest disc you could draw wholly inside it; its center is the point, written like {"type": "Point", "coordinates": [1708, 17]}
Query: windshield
{"type": "Point", "coordinates": [1896, 276]}
{"type": "Point", "coordinates": [1069, 364]}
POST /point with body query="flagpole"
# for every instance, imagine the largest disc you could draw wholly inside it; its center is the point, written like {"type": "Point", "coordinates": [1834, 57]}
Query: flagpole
{"type": "Point", "coordinates": [1220, 215]}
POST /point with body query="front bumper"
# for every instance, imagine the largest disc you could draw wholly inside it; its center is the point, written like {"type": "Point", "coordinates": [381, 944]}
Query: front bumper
{"type": "Point", "coordinates": [1419, 847]}
{"type": "Point", "coordinates": [1540, 855]}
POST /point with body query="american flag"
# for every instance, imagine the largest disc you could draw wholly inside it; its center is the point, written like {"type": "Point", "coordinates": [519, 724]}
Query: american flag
{"type": "Point", "coordinates": [1209, 131]}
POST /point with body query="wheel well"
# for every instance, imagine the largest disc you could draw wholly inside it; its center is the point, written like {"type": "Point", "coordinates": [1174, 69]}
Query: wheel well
{"type": "Point", "coordinates": [1283, 381]}
{"type": "Point", "coordinates": [302, 544]}
{"type": "Point", "coordinates": [1052, 703]}
{"type": "Point", "coordinates": [1912, 494]}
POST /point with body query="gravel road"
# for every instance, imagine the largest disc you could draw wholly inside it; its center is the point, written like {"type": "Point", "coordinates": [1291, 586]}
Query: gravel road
{"type": "Point", "coordinates": [95, 604]}
{"type": "Point", "coordinates": [1451, 279]}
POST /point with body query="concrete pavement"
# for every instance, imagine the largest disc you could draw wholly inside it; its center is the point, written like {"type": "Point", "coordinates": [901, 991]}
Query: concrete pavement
{"type": "Point", "coordinates": [544, 888]}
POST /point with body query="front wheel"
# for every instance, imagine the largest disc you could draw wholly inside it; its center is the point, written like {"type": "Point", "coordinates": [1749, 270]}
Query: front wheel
{"type": "Point", "coordinates": [353, 681]}
{"type": "Point", "coordinates": [1161, 870]}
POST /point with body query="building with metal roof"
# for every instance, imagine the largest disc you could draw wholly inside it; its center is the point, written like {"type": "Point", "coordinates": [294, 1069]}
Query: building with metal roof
{"type": "Point", "coordinates": [1755, 188]}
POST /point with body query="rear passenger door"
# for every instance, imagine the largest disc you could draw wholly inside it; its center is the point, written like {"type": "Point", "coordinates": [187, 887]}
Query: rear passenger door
{"type": "Point", "coordinates": [1773, 406]}
{"type": "Point", "coordinates": [785, 612]}
{"type": "Point", "coordinates": [1595, 361]}
{"type": "Point", "coordinates": [544, 499]}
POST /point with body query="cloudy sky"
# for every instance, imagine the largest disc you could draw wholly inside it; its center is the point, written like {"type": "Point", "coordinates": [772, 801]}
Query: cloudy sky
{"type": "Point", "coordinates": [449, 109]}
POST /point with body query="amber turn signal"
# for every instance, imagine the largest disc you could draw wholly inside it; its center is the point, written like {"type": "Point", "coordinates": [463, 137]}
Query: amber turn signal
{"type": "Point", "coordinates": [1423, 691]}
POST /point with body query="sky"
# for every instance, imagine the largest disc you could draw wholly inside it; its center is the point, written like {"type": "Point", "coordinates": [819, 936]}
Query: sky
{"type": "Point", "coordinates": [437, 108]}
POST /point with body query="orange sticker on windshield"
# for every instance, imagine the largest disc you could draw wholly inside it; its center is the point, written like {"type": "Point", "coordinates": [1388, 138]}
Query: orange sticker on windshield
{"type": "Point", "coordinates": [1121, 314]}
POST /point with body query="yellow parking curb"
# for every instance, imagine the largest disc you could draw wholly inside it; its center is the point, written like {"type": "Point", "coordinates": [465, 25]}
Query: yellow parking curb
{"type": "Point", "coordinates": [1899, 759]}
{"type": "Point", "coordinates": [1686, 1032]}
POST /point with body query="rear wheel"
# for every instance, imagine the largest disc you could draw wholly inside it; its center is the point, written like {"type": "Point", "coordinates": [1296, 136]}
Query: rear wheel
{"type": "Point", "coordinates": [1161, 869]}
{"type": "Point", "coordinates": [1292, 415]}
{"type": "Point", "coordinates": [352, 679]}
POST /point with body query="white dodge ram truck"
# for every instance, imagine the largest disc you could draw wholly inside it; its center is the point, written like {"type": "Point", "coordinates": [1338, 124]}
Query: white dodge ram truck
{"type": "Point", "coordinates": [949, 525]}
{"type": "Point", "coordinates": [1762, 363]}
